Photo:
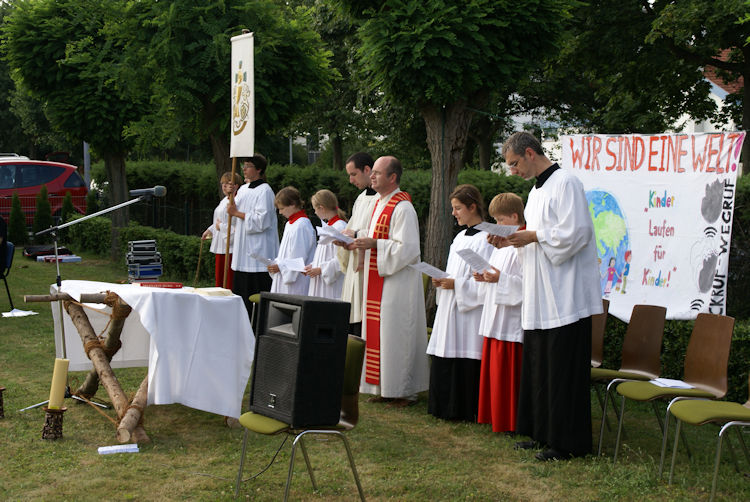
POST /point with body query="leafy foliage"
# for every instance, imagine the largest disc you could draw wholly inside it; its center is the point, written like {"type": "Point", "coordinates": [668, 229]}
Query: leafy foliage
{"type": "Point", "coordinates": [42, 216]}
{"type": "Point", "coordinates": [17, 233]}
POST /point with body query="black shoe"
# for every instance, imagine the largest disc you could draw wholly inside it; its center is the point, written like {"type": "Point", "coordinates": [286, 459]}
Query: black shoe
{"type": "Point", "coordinates": [552, 454]}
{"type": "Point", "coordinates": [526, 445]}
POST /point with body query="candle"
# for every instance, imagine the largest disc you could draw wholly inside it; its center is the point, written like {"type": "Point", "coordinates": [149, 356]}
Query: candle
{"type": "Point", "coordinates": [59, 381]}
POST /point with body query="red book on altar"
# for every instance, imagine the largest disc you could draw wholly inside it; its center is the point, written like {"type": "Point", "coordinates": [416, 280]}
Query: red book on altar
{"type": "Point", "coordinates": [170, 285]}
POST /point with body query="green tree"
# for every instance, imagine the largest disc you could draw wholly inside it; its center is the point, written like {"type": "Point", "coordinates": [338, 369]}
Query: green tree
{"type": "Point", "coordinates": [698, 32]}
{"type": "Point", "coordinates": [608, 78]}
{"type": "Point", "coordinates": [17, 232]}
{"type": "Point", "coordinates": [444, 59]}
{"type": "Point", "coordinates": [42, 216]}
{"type": "Point", "coordinates": [180, 53]}
{"type": "Point", "coordinates": [67, 208]}
{"type": "Point", "coordinates": [59, 51]}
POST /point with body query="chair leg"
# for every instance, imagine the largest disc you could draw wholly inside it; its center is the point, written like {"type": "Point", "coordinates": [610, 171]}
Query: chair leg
{"type": "Point", "coordinates": [242, 463]}
{"type": "Point", "coordinates": [665, 432]}
{"type": "Point", "coordinates": [307, 462]}
{"type": "Point", "coordinates": [744, 446]}
{"type": "Point", "coordinates": [354, 467]}
{"type": "Point", "coordinates": [607, 393]}
{"type": "Point", "coordinates": [717, 461]}
{"type": "Point", "coordinates": [291, 464]}
{"type": "Point", "coordinates": [674, 448]}
{"type": "Point", "coordinates": [619, 429]}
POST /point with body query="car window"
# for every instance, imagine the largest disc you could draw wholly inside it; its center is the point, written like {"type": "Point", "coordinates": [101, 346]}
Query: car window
{"type": "Point", "coordinates": [36, 174]}
{"type": "Point", "coordinates": [7, 175]}
{"type": "Point", "coordinates": [74, 180]}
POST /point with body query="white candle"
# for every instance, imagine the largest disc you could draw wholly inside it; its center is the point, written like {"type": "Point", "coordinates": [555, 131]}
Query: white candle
{"type": "Point", "coordinates": [59, 382]}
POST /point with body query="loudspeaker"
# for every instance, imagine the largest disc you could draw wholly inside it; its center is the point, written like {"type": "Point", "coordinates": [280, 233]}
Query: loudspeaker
{"type": "Point", "coordinates": [300, 353]}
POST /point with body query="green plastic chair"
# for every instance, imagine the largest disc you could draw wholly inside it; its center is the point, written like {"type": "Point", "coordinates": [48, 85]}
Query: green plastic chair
{"type": "Point", "coordinates": [355, 353]}
{"type": "Point", "coordinates": [699, 412]}
{"type": "Point", "coordinates": [705, 369]}
{"type": "Point", "coordinates": [641, 351]}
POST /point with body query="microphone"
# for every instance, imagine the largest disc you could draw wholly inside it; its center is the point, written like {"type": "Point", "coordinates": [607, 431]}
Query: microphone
{"type": "Point", "coordinates": [157, 191]}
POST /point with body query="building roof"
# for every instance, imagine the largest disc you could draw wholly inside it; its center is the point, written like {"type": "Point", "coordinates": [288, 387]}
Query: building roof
{"type": "Point", "coordinates": [710, 72]}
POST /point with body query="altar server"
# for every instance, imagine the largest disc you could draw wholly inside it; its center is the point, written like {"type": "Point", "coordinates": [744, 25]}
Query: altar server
{"type": "Point", "coordinates": [326, 276]}
{"type": "Point", "coordinates": [298, 241]}
{"type": "Point", "coordinates": [500, 324]}
{"type": "Point", "coordinates": [217, 231]}
{"type": "Point", "coordinates": [455, 344]}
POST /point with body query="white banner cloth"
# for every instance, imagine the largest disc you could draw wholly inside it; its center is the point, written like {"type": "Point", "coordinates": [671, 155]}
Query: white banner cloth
{"type": "Point", "coordinates": [662, 207]}
{"type": "Point", "coordinates": [201, 347]}
{"type": "Point", "coordinates": [242, 143]}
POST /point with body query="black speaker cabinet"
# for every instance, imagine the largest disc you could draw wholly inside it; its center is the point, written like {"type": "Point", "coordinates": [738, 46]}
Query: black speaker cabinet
{"type": "Point", "coordinates": [300, 352]}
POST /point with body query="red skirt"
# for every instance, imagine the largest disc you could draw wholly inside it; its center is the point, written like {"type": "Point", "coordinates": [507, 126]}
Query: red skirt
{"type": "Point", "coordinates": [499, 380]}
{"type": "Point", "coordinates": [219, 271]}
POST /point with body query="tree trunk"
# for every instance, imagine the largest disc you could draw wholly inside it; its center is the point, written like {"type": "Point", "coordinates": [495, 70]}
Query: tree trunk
{"type": "Point", "coordinates": [447, 131]}
{"type": "Point", "coordinates": [220, 149]}
{"type": "Point", "coordinates": [338, 152]}
{"type": "Point", "coordinates": [468, 154]}
{"type": "Point", "coordinates": [114, 164]}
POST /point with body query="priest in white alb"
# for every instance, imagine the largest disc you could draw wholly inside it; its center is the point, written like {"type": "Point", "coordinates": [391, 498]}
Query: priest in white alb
{"type": "Point", "coordinates": [394, 326]}
{"type": "Point", "coordinates": [561, 292]}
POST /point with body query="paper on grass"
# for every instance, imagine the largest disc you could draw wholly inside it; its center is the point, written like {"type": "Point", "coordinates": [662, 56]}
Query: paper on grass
{"type": "Point", "coordinates": [669, 382]}
{"type": "Point", "coordinates": [476, 262]}
{"type": "Point", "coordinates": [118, 448]}
{"type": "Point", "coordinates": [19, 313]}
{"type": "Point", "coordinates": [495, 229]}
{"type": "Point", "coordinates": [428, 269]}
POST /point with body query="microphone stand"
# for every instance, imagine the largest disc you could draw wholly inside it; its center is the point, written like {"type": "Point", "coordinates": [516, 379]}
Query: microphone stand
{"type": "Point", "coordinates": [58, 281]}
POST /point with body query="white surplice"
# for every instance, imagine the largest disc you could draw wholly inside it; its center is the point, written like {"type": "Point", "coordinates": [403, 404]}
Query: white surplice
{"type": "Point", "coordinates": [403, 331]}
{"type": "Point", "coordinates": [455, 332]}
{"type": "Point", "coordinates": [501, 315]}
{"type": "Point", "coordinates": [218, 228]}
{"type": "Point", "coordinates": [258, 233]}
{"type": "Point", "coordinates": [298, 241]}
{"type": "Point", "coordinates": [351, 289]}
{"type": "Point", "coordinates": [560, 272]}
{"type": "Point", "coordinates": [328, 284]}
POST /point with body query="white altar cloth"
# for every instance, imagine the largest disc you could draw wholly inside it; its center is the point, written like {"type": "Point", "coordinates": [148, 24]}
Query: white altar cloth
{"type": "Point", "coordinates": [200, 349]}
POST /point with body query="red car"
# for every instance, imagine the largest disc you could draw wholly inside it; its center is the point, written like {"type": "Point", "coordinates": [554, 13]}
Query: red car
{"type": "Point", "coordinates": [23, 176]}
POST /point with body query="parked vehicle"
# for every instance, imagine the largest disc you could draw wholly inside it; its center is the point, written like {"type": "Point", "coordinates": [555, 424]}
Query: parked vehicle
{"type": "Point", "coordinates": [25, 177]}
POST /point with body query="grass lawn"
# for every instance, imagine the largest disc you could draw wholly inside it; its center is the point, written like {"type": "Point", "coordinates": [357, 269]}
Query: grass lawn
{"type": "Point", "coordinates": [402, 454]}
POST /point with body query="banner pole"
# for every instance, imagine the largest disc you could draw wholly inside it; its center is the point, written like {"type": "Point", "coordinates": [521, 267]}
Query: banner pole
{"type": "Point", "coordinates": [229, 227]}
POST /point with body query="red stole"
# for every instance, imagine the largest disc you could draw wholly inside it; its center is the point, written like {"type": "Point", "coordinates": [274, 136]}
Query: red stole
{"type": "Point", "coordinates": [333, 220]}
{"type": "Point", "coordinates": [375, 290]}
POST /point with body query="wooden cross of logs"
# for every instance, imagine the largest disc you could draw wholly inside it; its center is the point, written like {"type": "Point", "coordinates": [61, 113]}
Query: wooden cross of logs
{"type": "Point", "coordinates": [129, 428]}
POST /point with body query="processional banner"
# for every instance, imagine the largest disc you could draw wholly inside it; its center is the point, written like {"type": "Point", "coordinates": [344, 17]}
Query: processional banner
{"type": "Point", "coordinates": [243, 97]}
{"type": "Point", "coordinates": [662, 207]}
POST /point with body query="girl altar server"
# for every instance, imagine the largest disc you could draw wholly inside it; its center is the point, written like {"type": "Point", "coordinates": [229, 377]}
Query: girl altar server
{"type": "Point", "coordinates": [217, 231]}
{"type": "Point", "coordinates": [500, 324]}
{"type": "Point", "coordinates": [298, 241]}
{"type": "Point", "coordinates": [455, 344]}
{"type": "Point", "coordinates": [326, 277]}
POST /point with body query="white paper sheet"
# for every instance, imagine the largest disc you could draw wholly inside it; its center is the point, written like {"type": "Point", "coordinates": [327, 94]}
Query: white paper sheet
{"type": "Point", "coordinates": [428, 269]}
{"type": "Point", "coordinates": [331, 234]}
{"type": "Point", "coordinates": [668, 382]}
{"type": "Point", "coordinates": [265, 261]}
{"type": "Point", "coordinates": [476, 262]}
{"type": "Point", "coordinates": [495, 229]}
{"type": "Point", "coordinates": [293, 264]}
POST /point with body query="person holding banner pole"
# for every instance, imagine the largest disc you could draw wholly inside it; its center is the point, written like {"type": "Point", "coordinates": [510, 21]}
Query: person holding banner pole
{"type": "Point", "coordinates": [561, 291]}
{"type": "Point", "coordinates": [256, 233]}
